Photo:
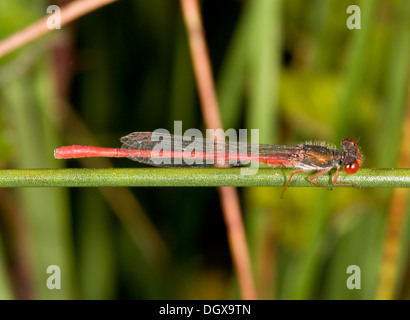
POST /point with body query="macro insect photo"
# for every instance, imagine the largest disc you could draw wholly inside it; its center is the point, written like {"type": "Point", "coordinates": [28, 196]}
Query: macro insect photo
{"type": "Point", "coordinates": [205, 150]}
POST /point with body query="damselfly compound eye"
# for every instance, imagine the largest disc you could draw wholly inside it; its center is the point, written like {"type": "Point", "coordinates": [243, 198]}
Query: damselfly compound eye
{"type": "Point", "coordinates": [345, 141]}
{"type": "Point", "coordinates": [351, 167]}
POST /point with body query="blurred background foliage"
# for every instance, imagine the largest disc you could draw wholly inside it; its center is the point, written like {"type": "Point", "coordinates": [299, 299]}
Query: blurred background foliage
{"type": "Point", "coordinates": [291, 69]}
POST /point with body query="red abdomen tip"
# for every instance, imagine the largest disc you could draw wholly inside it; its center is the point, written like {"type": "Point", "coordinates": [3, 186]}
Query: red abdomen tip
{"type": "Point", "coordinates": [63, 152]}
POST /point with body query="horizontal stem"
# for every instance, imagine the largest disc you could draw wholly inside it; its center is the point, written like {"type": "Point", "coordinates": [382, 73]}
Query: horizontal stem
{"type": "Point", "coordinates": [187, 177]}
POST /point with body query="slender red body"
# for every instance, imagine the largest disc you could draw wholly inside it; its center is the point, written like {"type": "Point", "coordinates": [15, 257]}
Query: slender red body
{"type": "Point", "coordinates": [77, 151]}
{"type": "Point", "coordinates": [70, 152]}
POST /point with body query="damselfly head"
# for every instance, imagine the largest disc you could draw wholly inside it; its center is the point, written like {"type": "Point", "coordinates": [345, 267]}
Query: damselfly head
{"type": "Point", "coordinates": [352, 158]}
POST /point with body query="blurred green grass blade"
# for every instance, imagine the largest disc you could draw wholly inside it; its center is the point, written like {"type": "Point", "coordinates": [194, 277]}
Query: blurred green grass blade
{"type": "Point", "coordinates": [354, 71]}
{"type": "Point", "coordinates": [304, 271]}
{"type": "Point", "coordinates": [6, 292]}
{"type": "Point", "coordinates": [397, 87]}
{"type": "Point", "coordinates": [45, 210]}
{"type": "Point", "coordinates": [263, 58]}
{"type": "Point", "coordinates": [44, 91]}
{"type": "Point", "coordinates": [357, 241]}
{"type": "Point", "coordinates": [96, 256]}
{"type": "Point", "coordinates": [263, 67]}
{"type": "Point", "coordinates": [231, 80]}
{"type": "Point", "coordinates": [372, 244]}
{"type": "Point", "coordinates": [323, 34]}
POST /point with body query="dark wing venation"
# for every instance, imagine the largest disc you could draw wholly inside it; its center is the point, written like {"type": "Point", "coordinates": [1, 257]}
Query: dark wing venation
{"type": "Point", "coordinates": [151, 140]}
{"type": "Point", "coordinates": [157, 140]}
{"type": "Point", "coordinates": [266, 149]}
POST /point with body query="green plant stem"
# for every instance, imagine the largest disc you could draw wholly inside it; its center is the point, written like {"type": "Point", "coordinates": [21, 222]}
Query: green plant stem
{"type": "Point", "coordinates": [167, 177]}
